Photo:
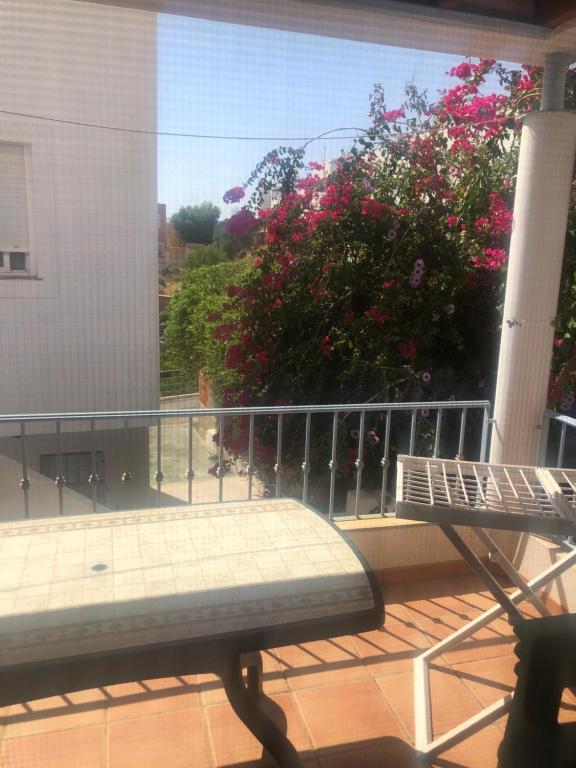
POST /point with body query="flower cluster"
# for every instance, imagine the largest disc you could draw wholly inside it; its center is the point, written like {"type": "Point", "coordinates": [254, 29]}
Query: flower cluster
{"type": "Point", "coordinates": [383, 278]}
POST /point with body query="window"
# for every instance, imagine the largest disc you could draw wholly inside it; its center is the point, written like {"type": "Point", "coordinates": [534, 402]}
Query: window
{"type": "Point", "coordinates": [76, 469]}
{"type": "Point", "coordinates": [14, 231]}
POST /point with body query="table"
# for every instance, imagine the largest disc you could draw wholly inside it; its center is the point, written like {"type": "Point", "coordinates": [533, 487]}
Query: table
{"type": "Point", "coordinates": [114, 597]}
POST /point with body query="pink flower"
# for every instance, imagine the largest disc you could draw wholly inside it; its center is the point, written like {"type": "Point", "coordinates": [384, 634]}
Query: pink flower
{"type": "Point", "coordinates": [407, 349]}
{"type": "Point", "coordinates": [315, 166]}
{"type": "Point", "coordinates": [558, 342]}
{"type": "Point", "coordinates": [257, 262]}
{"type": "Point", "coordinates": [393, 114]}
{"type": "Point", "coordinates": [377, 315]}
{"type": "Point", "coordinates": [463, 71]}
{"type": "Point", "coordinates": [452, 221]}
{"type": "Point", "coordinates": [325, 347]}
{"type": "Point", "coordinates": [493, 258]}
{"type": "Point", "coordinates": [374, 209]}
{"type": "Point", "coordinates": [241, 223]}
{"type": "Point", "coordinates": [234, 195]}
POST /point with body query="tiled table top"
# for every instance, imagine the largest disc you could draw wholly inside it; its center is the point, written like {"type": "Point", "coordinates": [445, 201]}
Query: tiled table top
{"type": "Point", "coordinates": [115, 580]}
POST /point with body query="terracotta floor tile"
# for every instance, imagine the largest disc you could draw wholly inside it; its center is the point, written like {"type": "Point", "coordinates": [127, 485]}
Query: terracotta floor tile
{"type": "Point", "coordinates": [56, 713]}
{"type": "Point", "coordinates": [325, 662]}
{"type": "Point", "coordinates": [171, 740]}
{"type": "Point", "coordinates": [567, 713]}
{"type": "Point", "coordinates": [477, 751]}
{"type": "Point", "coordinates": [387, 753]}
{"type": "Point", "coordinates": [452, 702]}
{"type": "Point", "coordinates": [212, 692]}
{"type": "Point", "coordinates": [151, 697]}
{"type": "Point", "coordinates": [490, 679]}
{"type": "Point", "coordinates": [394, 611]}
{"type": "Point", "coordinates": [235, 745]}
{"type": "Point", "coordinates": [73, 748]}
{"type": "Point", "coordinates": [346, 713]}
{"type": "Point", "coordinates": [496, 639]}
{"type": "Point", "coordinates": [391, 649]}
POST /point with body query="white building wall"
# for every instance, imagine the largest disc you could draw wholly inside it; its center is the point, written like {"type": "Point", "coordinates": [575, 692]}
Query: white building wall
{"type": "Point", "coordinates": [81, 334]}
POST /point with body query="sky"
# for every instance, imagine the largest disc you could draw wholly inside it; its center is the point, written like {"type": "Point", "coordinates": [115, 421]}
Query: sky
{"type": "Point", "coordinates": [227, 79]}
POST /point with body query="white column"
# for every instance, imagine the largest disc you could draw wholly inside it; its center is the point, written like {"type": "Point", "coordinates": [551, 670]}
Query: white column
{"type": "Point", "coordinates": [545, 169]}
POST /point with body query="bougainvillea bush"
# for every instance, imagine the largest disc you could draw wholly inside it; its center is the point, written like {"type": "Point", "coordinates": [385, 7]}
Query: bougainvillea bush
{"type": "Point", "coordinates": [382, 279]}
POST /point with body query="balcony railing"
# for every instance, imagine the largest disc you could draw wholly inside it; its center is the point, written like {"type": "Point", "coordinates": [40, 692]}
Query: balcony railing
{"type": "Point", "coordinates": [464, 422]}
{"type": "Point", "coordinates": [557, 440]}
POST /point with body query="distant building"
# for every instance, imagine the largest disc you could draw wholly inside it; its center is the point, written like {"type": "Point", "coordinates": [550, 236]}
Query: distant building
{"type": "Point", "coordinates": [78, 221]}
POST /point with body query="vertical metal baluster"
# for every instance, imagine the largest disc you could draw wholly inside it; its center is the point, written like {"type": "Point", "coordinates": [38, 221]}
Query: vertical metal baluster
{"type": "Point", "coordinates": [544, 435]}
{"type": "Point", "coordinates": [250, 467]}
{"type": "Point", "coordinates": [385, 463]}
{"type": "Point", "coordinates": [127, 476]}
{"type": "Point", "coordinates": [278, 465]}
{"type": "Point", "coordinates": [221, 469]}
{"type": "Point", "coordinates": [159, 476]}
{"type": "Point", "coordinates": [437, 434]}
{"type": "Point", "coordinates": [462, 433]}
{"type": "Point", "coordinates": [25, 481]}
{"type": "Point", "coordinates": [484, 438]}
{"type": "Point", "coordinates": [190, 470]}
{"type": "Point", "coordinates": [306, 462]}
{"type": "Point", "coordinates": [412, 433]}
{"type": "Point", "coordinates": [359, 463]}
{"type": "Point", "coordinates": [93, 477]}
{"type": "Point", "coordinates": [59, 480]}
{"type": "Point", "coordinates": [332, 464]}
{"type": "Point", "coordinates": [561, 446]}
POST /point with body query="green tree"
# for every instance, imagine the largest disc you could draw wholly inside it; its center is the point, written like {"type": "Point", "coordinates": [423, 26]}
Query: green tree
{"type": "Point", "coordinates": [196, 223]}
{"type": "Point", "coordinates": [187, 342]}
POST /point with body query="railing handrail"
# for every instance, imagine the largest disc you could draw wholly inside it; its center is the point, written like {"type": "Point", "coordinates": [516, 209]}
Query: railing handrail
{"type": "Point", "coordinates": [433, 405]}
{"type": "Point", "coordinates": [563, 419]}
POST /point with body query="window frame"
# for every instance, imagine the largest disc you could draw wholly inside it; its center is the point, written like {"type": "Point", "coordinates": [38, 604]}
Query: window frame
{"type": "Point", "coordinates": [30, 270]}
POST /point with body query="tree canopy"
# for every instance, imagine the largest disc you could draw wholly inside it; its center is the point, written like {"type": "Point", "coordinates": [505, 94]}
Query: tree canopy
{"type": "Point", "coordinates": [197, 223]}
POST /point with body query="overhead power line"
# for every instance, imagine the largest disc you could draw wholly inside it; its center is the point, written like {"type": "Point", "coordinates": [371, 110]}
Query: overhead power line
{"type": "Point", "coordinates": [185, 135]}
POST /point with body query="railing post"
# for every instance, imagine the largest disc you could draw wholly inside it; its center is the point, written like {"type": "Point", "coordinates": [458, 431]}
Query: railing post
{"type": "Point", "coordinates": [278, 464]}
{"type": "Point", "coordinates": [332, 464]}
{"type": "Point", "coordinates": [24, 481]}
{"type": "Point", "coordinates": [306, 462]}
{"type": "Point", "coordinates": [544, 435]}
{"type": "Point", "coordinates": [484, 438]}
{"type": "Point", "coordinates": [190, 470]}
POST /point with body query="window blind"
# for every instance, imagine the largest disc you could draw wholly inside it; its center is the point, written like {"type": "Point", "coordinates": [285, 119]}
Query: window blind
{"type": "Point", "coordinates": [13, 198]}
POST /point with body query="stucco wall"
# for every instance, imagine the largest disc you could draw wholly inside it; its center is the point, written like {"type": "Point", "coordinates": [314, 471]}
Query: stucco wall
{"type": "Point", "coordinates": [82, 335]}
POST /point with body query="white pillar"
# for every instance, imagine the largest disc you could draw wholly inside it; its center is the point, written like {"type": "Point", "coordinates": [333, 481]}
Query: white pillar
{"type": "Point", "coordinates": [545, 169]}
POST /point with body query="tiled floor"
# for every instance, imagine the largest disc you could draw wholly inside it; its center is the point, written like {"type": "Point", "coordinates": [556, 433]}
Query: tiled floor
{"type": "Point", "coordinates": [345, 702]}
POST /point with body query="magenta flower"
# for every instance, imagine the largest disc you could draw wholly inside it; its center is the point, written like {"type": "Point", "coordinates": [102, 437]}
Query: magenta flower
{"type": "Point", "coordinates": [234, 195]}
{"type": "Point", "coordinates": [373, 438]}
{"type": "Point", "coordinates": [393, 114]}
{"type": "Point", "coordinates": [407, 349]}
{"type": "Point", "coordinates": [241, 223]}
{"type": "Point", "coordinates": [426, 377]}
{"type": "Point", "coordinates": [415, 280]}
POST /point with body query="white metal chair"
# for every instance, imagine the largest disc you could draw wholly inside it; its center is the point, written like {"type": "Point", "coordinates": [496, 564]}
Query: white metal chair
{"type": "Point", "coordinates": [481, 495]}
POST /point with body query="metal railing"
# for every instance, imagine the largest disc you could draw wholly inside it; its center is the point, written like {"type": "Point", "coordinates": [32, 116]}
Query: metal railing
{"type": "Point", "coordinates": [546, 453]}
{"type": "Point", "coordinates": [414, 414]}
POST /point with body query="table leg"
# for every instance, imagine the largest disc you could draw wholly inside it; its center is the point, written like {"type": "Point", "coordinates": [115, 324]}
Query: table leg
{"type": "Point", "coordinates": [253, 664]}
{"type": "Point", "coordinates": [245, 705]}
